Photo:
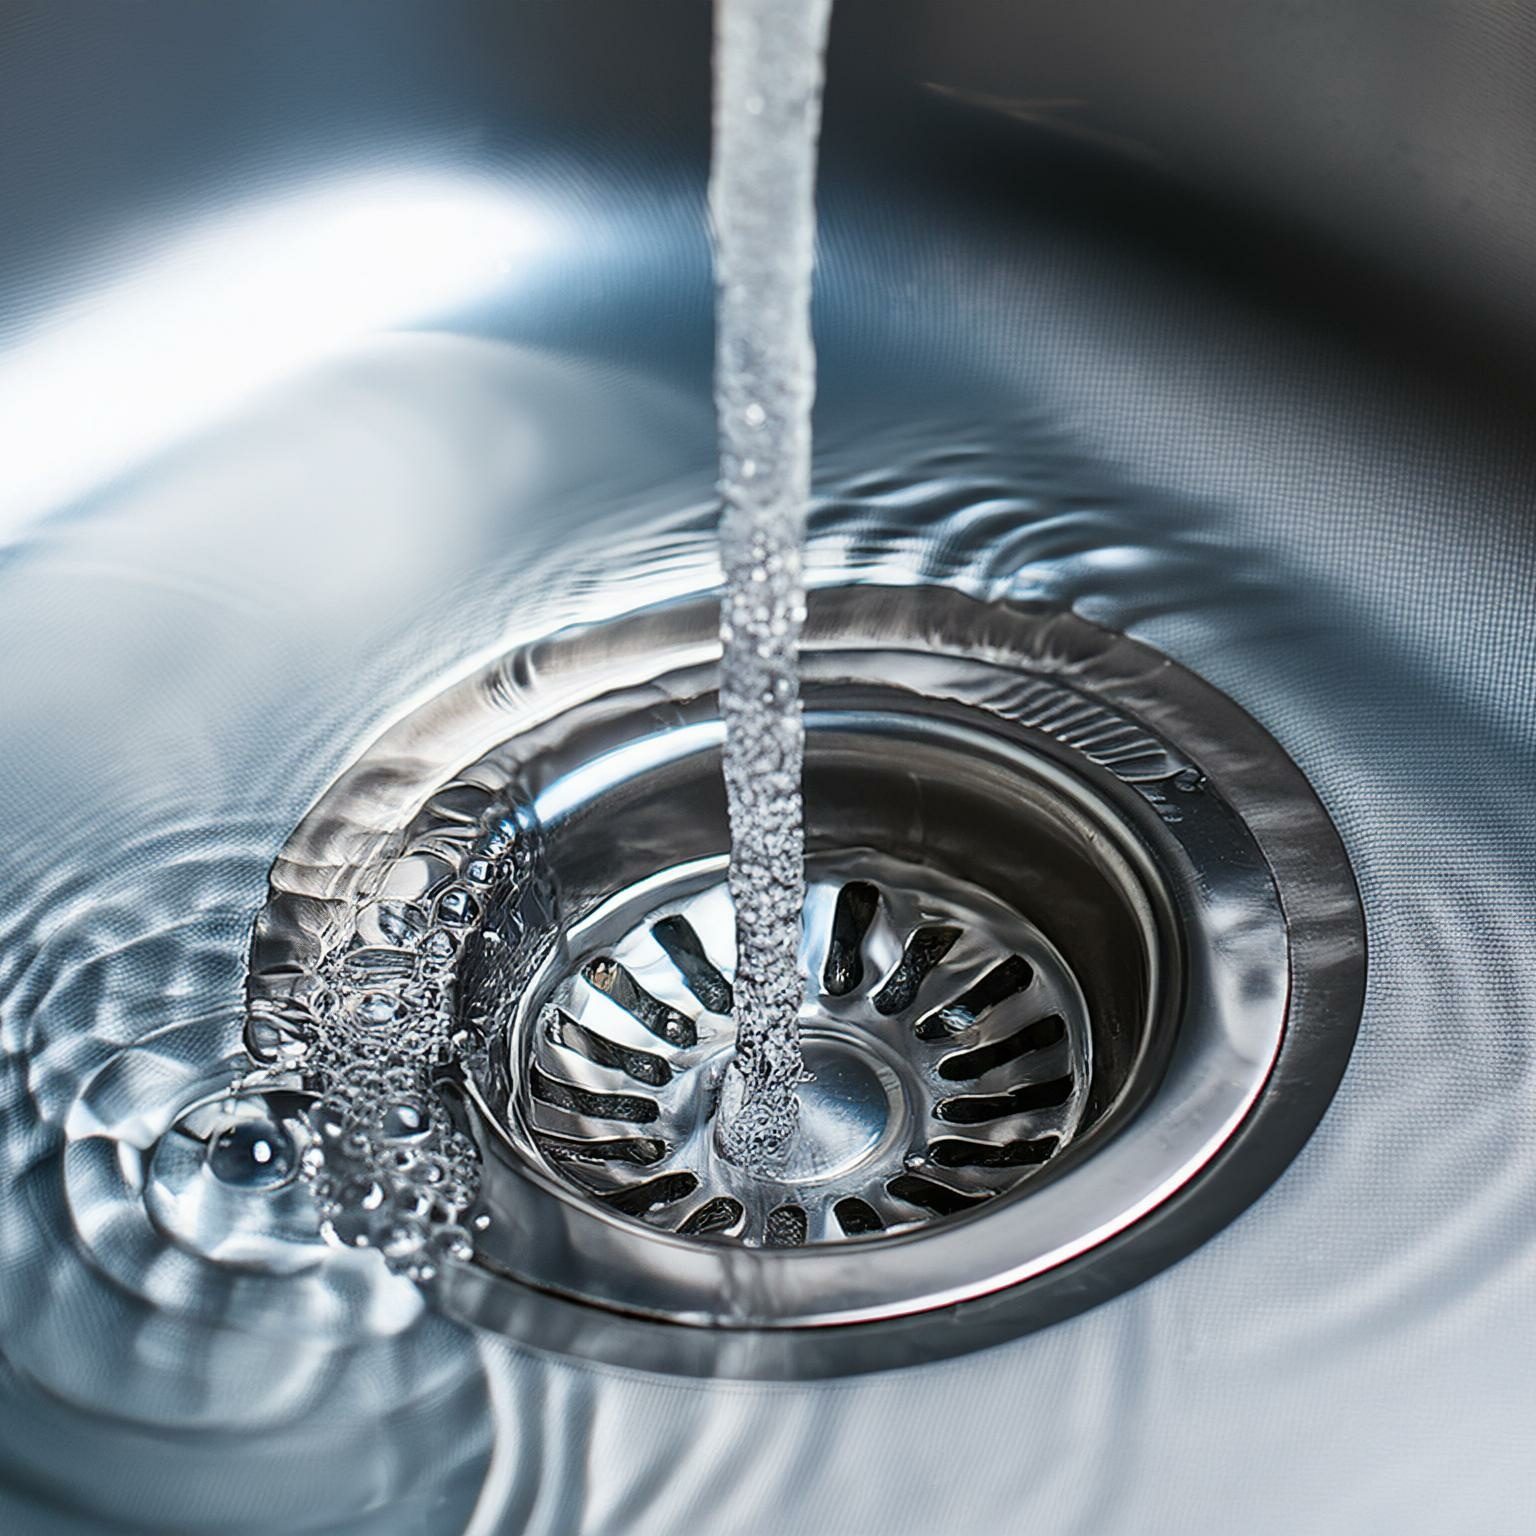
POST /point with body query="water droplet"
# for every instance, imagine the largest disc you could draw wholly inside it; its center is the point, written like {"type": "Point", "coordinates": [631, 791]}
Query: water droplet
{"type": "Point", "coordinates": [402, 1239]}
{"type": "Point", "coordinates": [254, 1153]}
{"type": "Point", "coordinates": [405, 1121]}
{"type": "Point", "coordinates": [454, 1242]}
{"type": "Point", "coordinates": [376, 1009]}
{"type": "Point", "coordinates": [457, 906]}
{"type": "Point", "coordinates": [500, 838]}
{"type": "Point", "coordinates": [439, 944]}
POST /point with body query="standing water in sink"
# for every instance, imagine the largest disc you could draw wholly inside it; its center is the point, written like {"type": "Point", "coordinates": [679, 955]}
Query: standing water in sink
{"type": "Point", "coordinates": [768, 74]}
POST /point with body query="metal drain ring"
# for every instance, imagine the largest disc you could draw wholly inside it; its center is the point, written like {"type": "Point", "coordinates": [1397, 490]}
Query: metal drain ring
{"type": "Point", "coordinates": [1236, 912]}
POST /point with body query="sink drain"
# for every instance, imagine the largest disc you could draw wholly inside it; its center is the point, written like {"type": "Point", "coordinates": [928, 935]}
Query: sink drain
{"type": "Point", "coordinates": [946, 1040]}
{"type": "Point", "coordinates": [1084, 963]}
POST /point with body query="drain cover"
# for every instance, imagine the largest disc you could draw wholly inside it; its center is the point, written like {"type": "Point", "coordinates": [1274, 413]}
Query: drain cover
{"type": "Point", "coordinates": [946, 1041]}
{"type": "Point", "coordinates": [1084, 964]}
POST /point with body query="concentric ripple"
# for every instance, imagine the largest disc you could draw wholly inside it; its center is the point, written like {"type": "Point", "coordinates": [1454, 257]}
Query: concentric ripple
{"type": "Point", "coordinates": [158, 1242]}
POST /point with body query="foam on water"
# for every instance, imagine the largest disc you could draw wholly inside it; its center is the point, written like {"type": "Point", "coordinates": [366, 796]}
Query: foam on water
{"type": "Point", "coordinates": [768, 73]}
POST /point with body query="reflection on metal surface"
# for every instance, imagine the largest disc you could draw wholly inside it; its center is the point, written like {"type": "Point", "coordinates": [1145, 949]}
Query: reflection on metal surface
{"type": "Point", "coordinates": [239, 304]}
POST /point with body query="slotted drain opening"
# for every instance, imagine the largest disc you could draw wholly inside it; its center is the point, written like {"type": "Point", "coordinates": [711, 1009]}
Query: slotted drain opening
{"type": "Point", "coordinates": [1083, 959]}
{"type": "Point", "coordinates": [990, 1030]}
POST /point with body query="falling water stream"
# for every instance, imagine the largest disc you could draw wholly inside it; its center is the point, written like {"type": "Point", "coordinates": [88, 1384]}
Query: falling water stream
{"type": "Point", "coordinates": [768, 73]}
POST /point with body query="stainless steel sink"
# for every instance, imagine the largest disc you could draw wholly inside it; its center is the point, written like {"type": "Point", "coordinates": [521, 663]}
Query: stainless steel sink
{"type": "Point", "coordinates": [345, 347]}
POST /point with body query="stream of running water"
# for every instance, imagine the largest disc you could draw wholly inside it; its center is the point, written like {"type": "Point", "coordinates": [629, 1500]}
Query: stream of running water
{"type": "Point", "coordinates": [768, 76]}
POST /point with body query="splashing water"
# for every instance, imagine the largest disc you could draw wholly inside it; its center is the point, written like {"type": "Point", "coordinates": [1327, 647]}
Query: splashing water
{"type": "Point", "coordinates": [768, 73]}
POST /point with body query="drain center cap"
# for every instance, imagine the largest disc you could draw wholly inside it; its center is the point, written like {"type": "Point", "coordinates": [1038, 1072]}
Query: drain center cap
{"type": "Point", "coordinates": [847, 1111]}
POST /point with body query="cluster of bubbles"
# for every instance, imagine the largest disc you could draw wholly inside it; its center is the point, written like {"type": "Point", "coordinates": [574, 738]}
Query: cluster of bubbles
{"type": "Point", "coordinates": [370, 1039]}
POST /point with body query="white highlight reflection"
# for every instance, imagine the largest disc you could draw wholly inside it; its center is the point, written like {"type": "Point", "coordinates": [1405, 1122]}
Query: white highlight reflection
{"type": "Point", "coordinates": [231, 308]}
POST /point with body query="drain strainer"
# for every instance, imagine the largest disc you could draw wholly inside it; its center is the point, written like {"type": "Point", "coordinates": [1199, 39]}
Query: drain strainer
{"type": "Point", "coordinates": [946, 1042]}
{"type": "Point", "coordinates": [1084, 963]}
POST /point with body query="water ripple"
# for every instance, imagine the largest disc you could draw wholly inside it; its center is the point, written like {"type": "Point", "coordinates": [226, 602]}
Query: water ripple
{"type": "Point", "coordinates": [181, 1353]}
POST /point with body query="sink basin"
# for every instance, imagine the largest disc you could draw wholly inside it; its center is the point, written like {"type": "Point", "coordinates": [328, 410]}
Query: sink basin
{"type": "Point", "coordinates": [344, 348]}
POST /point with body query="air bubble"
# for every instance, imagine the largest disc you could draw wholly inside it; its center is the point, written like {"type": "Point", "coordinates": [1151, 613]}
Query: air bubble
{"type": "Point", "coordinates": [391, 922]}
{"type": "Point", "coordinates": [365, 1194]}
{"type": "Point", "coordinates": [382, 999]}
{"type": "Point", "coordinates": [330, 1117]}
{"type": "Point", "coordinates": [347, 1227]}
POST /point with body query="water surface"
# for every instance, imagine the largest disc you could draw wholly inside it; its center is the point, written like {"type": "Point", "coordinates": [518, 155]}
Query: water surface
{"type": "Point", "coordinates": [195, 644]}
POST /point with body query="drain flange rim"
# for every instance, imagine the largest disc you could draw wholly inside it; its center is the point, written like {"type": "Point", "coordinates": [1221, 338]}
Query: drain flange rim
{"type": "Point", "coordinates": [1315, 892]}
{"type": "Point", "coordinates": [943, 1266]}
